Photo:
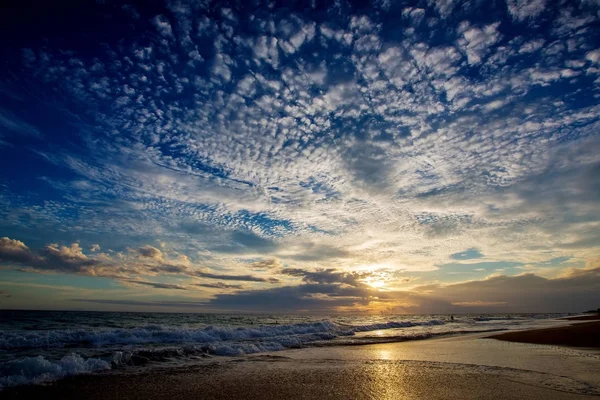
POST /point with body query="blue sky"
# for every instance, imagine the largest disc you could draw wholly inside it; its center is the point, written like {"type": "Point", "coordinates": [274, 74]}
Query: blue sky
{"type": "Point", "coordinates": [421, 156]}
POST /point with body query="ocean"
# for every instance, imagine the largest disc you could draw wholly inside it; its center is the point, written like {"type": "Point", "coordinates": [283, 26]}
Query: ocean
{"type": "Point", "coordinates": [43, 346]}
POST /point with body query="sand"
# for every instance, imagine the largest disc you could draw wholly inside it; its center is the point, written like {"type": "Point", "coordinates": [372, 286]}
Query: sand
{"type": "Point", "coordinates": [310, 379]}
{"type": "Point", "coordinates": [586, 334]}
{"type": "Point", "coordinates": [590, 317]}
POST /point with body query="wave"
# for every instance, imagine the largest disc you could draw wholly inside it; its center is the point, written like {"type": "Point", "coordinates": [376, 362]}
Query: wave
{"type": "Point", "coordinates": [394, 325]}
{"type": "Point", "coordinates": [157, 334]}
{"type": "Point", "coordinates": [154, 339]}
{"type": "Point", "coordinates": [36, 370]}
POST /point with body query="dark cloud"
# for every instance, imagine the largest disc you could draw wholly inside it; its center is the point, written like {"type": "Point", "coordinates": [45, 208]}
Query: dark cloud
{"type": "Point", "coordinates": [139, 303]}
{"type": "Point", "coordinates": [165, 268]}
{"type": "Point", "coordinates": [328, 276]}
{"type": "Point", "coordinates": [150, 252]}
{"type": "Point", "coordinates": [265, 264]}
{"type": "Point", "coordinates": [157, 285]}
{"type": "Point", "coordinates": [219, 285]}
{"type": "Point", "coordinates": [15, 251]}
{"type": "Point", "coordinates": [72, 260]}
{"type": "Point", "coordinates": [578, 291]}
{"type": "Point", "coordinates": [67, 259]}
{"type": "Point", "coordinates": [312, 297]}
{"type": "Point", "coordinates": [246, 278]}
{"type": "Point", "coordinates": [52, 257]}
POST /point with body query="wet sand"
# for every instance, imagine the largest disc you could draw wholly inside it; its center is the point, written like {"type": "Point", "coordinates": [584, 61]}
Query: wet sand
{"type": "Point", "coordinates": [585, 334]}
{"type": "Point", "coordinates": [590, 317]}
{"type": "Point", "coordinates": [310, 379]}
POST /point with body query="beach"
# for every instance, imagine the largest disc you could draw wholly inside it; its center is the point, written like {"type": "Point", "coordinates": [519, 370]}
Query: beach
{"type": "Point", "coordinates": [470, 366]}
{"type": "Point", "coordinates": [586, 334]}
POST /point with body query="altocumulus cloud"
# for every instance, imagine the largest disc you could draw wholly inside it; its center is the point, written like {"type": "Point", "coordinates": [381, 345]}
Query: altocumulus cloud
{"type": "Point", "coordinates": [303, 145]}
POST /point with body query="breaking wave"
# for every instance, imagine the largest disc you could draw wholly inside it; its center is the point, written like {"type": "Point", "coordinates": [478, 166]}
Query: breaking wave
{"type": "Point", "coordinates": [156, 343]}
{"type": "Point", "coordinates": [35, 370]}
{"type": "Point", "coordinates": [157, 334]}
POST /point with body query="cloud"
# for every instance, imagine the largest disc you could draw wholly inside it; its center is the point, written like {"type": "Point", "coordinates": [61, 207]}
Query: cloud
{"type": "Point", "coordinates": [141, 303]}
{"type": "Point", "coordinates": [150, 252]}
{"type": "Point", "coordinates": [152, 261]}
{"type": "Point", "coordinates": [265, 264]}
{"type": "Point", "coordinates": [593, 56]}
{"type": "Point", "coordinates": [479, 303]}
{"type": "Point", "coordinates": [240, 137]}
{"type": "Point", "coordinates": [328, 276]}
{"type": "Point", "coordinates": [52, 257]}
{"type": "Point", "coordinates": [574, 292]}
{"type": "Point", "coordinates": [524, 293]}
{"type": "Point", "coordinates": [317, 298]}
{"type": "Point", "coordinates": [156, 285]}
{"type": "Point", "coordinates": [163, 26]}
{"type": "Point", "coordinates": [523, 9]}
{"type": "Point", "coordinates": [12, 123]}
{"type": "Point", "coordinates": [245, 278]}
{"type": "Point", "coordinates": [67, 259]}
{"type": "Point", "coordinates": [219, 285]}
{"type": "Point", "coordinates": [444, 7]}
{"type": "Point", "coordinates": [12, 250]}
{"type": "Point", "coordinates": [476, 41]}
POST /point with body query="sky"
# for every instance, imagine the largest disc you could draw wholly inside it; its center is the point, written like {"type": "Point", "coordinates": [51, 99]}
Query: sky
{"type": "Point", "coordinates": [433, 156]}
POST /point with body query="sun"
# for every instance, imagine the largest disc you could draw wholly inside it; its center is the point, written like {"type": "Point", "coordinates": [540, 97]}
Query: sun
{"type": "Point", "coordinates": [376, 284]}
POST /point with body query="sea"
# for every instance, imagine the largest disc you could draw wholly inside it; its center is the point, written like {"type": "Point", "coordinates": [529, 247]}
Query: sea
{"type": "Point", "coordinates": [43, 346]}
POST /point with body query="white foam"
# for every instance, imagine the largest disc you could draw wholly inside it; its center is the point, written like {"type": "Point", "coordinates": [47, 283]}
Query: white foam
{"type": "Point", "coordinates": [150, 343]}
{"type": "Point", "coordinates": [394, 325]}
{"type": "Point", "coordinates": [35, 370]}
{"type": "Point", "coordinates": [157, 334]}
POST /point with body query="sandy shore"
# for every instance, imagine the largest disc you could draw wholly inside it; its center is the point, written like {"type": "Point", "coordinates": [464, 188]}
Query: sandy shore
{"type": "Point", "coordinates": [282, 378]}
{"type": "Point", "coordinates": [590, 317]}
{"type": "Point", "coordinates": [462, 367]}
{"type": "Point", "coordinates": [586, 334]}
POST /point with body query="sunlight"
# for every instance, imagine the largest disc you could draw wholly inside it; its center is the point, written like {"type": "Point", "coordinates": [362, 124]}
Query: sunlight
{"type": "Point", "coordinates": [376, 284]}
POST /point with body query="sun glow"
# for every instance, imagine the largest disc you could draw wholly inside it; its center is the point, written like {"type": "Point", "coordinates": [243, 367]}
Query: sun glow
{"type": "Point", "coordinates": [377, 275]}
{"type": "Point", "coordinates": [377, 283]}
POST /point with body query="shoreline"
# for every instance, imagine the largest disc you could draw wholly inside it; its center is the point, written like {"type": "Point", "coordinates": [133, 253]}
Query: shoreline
{"type": "Point", "coordinates": [453, 367]}
{"type": "Point", "coordinates": [283, 378]}
{"type": "Point", "coordinates": [589, 317]}
{"type": "Point", "coordinates": [581, 334]}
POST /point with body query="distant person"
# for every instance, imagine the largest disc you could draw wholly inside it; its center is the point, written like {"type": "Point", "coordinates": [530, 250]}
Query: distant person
{"type": "Point", "coordinates": [452, 318]}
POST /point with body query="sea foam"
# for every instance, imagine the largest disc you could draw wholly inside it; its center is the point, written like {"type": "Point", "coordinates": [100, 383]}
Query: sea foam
{"type": "Point", "coordinates": [150, 343]}
{"type": "Point", "coordinates": [157, 334]}
{"type": "Point", "coordinates": [35, 370]}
